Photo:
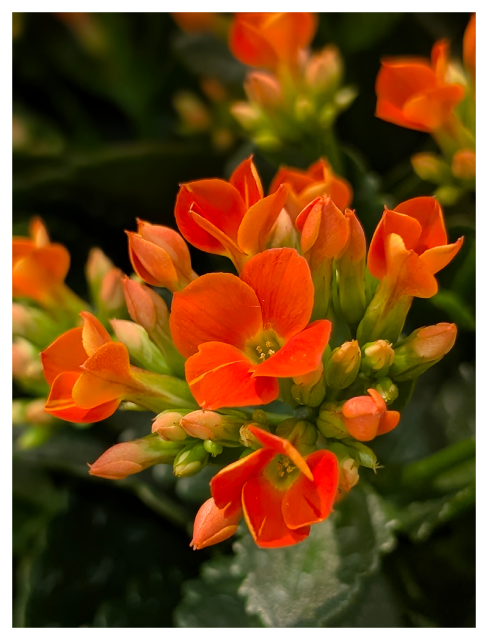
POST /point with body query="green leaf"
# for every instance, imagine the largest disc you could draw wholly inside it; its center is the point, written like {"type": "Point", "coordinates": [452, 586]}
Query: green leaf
{"type": "Point", "coordinates": [213, 599]}
{"type": "Point", "coordinates": [308, 584]}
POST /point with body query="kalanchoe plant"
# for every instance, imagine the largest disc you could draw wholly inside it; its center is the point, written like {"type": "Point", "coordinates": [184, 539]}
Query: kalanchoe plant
{"type": "Point", "coordinates": [233, 343]}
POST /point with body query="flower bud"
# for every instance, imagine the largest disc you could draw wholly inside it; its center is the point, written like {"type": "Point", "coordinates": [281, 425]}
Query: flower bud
{"type": "Point", "coordinates": [302, 434]}
{"type": "Point", "coordinates": [309, 389]}
{"type": "Point", "coordinates": [330, 421]}
{"type": "Point", "coordinates": [112, 299]}
{"type": "Point", "coordinates": [247, 438]}
{"type": "Point", "coordinates": [191, 460]}
{"type": "Point", "coordinates": [348, 469]}
{"type": "Point", "coordinates": [148, 309]}
{"type": "Point", "coordinates": [210, 425]}
{"type": "Point", "coordinates": [261, 418]}
{"type": "Point", "coordinates": [324, 70]}
{"type": "Point", "coordinates": [387, 389]}
{"type": "Point", "coordinates": [247, 115]}
{"type": "Point", "coordinates": [351, 263]}
{"type": "Point", "coordinates": [126, 458]}
{"type": "Point", "coordinates": [343, 365]}
{"type": "Point", "coordinates": [160, 256]}
{"type": "Point", "coordinates": [96, 268]}
{"type": "Point", "coordinates": [143, 352]}
{"type": "Point", "coordinates": [212, 526]}
{"type": "Point", "coordinates": [421, 350]}
{"type": "Point", "coordinates": [33, 324]}
{"type": "Point", "coordinates": [30, 412]}
{"type": "Point", "coordinates": [363, 455]}
{"type": "Point", "coordinates": [192, 111]}
{"type": "Point", "coordinates": [366, 417]}
{"type": "Point", "coordinates": [464, 164]}
{"type": "Point", "coordinates": [430, 168]}
{"type": "Point", "coordinates": [263, 89]}
{"type": "Point", "coordinates": [283, 233]}
{"type": "Point", "coordinates": [167, 425]}
{"type": "Point", "coordinates": [213, 448]}
{"type": "Point", "coordinates": [27, 367]}
{"type": "Point", "coordinates": [377, 358]}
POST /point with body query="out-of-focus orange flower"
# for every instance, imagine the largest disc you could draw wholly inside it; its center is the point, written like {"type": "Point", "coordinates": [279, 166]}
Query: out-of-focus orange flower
{"type": "Point", "coordinates": [39, 267]}
{"type": "Point", "coordinates": [211, 526]}
{"type": "Point", "coordinates": [280, 492]}
{"type": "Point", "coordinates": [270, 39]}
{"type": "Point", "coordinates": [89, 374]}
{"type": "Point", "coordinates": [469, 47]}
{"type": "Point", "coordinates": [160, 256]}
{"type": "Point", "coordinates": [414, 93]}
{"type": "Point", "coordinates": [196, 22]}
{"type": "Point", "coordinates": [463, 165]}
{"type": "Point", "coordinates": [229, 218]}
{"type": "Point", "coordinates": [410, 245]}
{"type": "Point", "coordinates": [241, 334]}
{"type": "Point", "coordinates": [305, 186]}
{"type": "Point", "coordinates": [367, 417]}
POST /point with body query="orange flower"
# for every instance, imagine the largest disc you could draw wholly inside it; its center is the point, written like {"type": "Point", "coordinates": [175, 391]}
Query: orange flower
{"type": "Point", "coordinates": [39, 267]}
{"type": "Point", "coordinates": [414, 93]}
{"type": "Point", "coordinates": [241, 334]}
{"type": "Point", "coordinates": [280, 492]}
{"type": "Point", "coordinates": [469, 46]}
{"type": "Point", "coordinates": [160, 256]}
{"type": "Point", "coordinates": [365, 418]}
{"type": "Point", "coordinates": [305, 186]}
{"type": "Point", "coordinates": [212, 526]}
{"type": "Point", "coordinates": [270, 39]}
{"type": "Point", "coordinates": [196, 22]}
{"type": "Point", "coordinates": [410, 245]}
{"type": "Point", "coordinates": [229, 218]}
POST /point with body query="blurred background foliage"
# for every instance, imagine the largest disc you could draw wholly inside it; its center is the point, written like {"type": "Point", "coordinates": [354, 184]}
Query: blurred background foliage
{"type": "Point", "coordinates": [97, 142]}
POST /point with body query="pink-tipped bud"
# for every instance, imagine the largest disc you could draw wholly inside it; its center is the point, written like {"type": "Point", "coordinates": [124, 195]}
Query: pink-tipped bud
{"type": "Point", "coordinates": [167, 425]}
{"type": "Point", "coordinates": [26, 363]}
{"type": "Point", "coordinates": [324, 70]}
{"type": "Point", "coordinates": [97, 266]}
{"type": "Point", "coordinates": [112, 291]}
{"type": "Point", "coordinates": [248, 115]}
{"type": "Point", "coordinates": [127, 458]}
{"type": "Point", "coordinates": [210, 425]}
{"type": "Point", "coordinates": [144, 353]}
{"type": "Point", "coordinates": [212, 526]}
{"type": "Point", "coordinates": [464, 164]}
{"type": "Point", "coordinates": [33, 324]}
{"type": "Point", "coordinates": [421, 350]}
{"type": "Point", "coordinates": [192, 111]}
{"type": "Point", "coordinates": [263, 89]}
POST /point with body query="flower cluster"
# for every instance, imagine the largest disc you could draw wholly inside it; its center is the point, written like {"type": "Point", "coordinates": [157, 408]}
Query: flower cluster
{"type": "Point", "coordinates": [438, 97]}
{"type": "Point", "coordinates": [272, 332]}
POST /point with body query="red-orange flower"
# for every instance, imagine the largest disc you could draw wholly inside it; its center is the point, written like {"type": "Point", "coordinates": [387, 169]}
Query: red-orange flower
{"type": "Point", "coordinates": [39, 267]}
{"type": "Point", "coordinates": [469, 46]}
{"type": "Point", "coordinates": [229, 218]}
{"type": "Point", "coordinates": [280, 492]}
{"type": "Point", "coordinates": [367, 417]}
{"type": "Point", "coordinates": [270, 39]}
{"type": "Point", "coordinates": [241, 334]}
{"type": "Point", "coordinates": [89, 374]}
{"type": "Point", "coordinates": [160, 256]}
{"type": "Point", "coordinates": [305, 186]}
{"type": "Point", "coordinates": [414, 93]}
{"type": "Point", "coordinates": [410, 245]}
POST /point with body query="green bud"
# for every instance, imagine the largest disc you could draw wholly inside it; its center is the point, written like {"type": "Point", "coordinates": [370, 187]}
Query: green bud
{"type": "Point", "coordinates": [247, 438]}
{"type": "Point", "coordinates": [330, 422]}
{"type": "Point", "coordinates": [191, 460]}
{"type": "Point", "coordinates": [158, 392]}
{"type": "Point", "coordinates": [302, 434]}
{"type": "Point", "coordinates": [309, 395]}
{"type": "Point", "coordinates": [343, 365]}
{"type": "Point", "coordinates": [213, 448]}
{"type": "Point", "coordinates": [387, 389]}
{"type": "Point", "coordinates": [365, 456]}
{"type": "Point", "coordinates": [260, 417]}
{"type": "Point", "coordinates": [35, 325]}
{"type": "Point", "coordinates": [430, 168]}
{"type": "Point", "coordinates": [143, 352]}
{"type": "Point", "coordinates": [377, 358]}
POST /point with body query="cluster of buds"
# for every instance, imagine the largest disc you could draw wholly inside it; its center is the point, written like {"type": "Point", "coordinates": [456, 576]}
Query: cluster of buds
{"type": "Point", "coordinates": [292, 94]}
{"type": "Point", "coordinates": [234, 342]}
{"type": "Point", "coordinates": [438, 97]}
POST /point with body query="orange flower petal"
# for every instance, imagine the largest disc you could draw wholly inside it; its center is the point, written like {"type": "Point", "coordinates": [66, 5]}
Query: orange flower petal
{"type": "Point", "coordinates": [66, 353]}
{"type": "Point", "coordinates": [280, 445]}
{"type": "Point", "coordinates": [432, 110]}
{"type": "Point", "coordinates": [219, 376]}
{"type": "Point", "coordinates": [215, 200]}
{"type": "Point", "coordinates": [437, 258]}
{"type": "Point", "coordinates": [94, 334]}
{"type": "Point", "coordinates": [259, 220]}
{"type": "Point", "coordinates": [262, 509]}
{"type": "Point", "coordinates": [388, 422]}
{"type": "Point", "coordinates": [151, 262]}
{"type": "Point", "coordinates": [283, 284]}
{"type": "Point", "coordinates": [307, 502]}
{"type": "Point", "coordinates": [229, 247]}
{"type": "Point", "coordinates": [38, 232]}
{"type": "Point", "coordinates": [246, 180]}
{"type": "Point", "coordinates": [300, 355]}
{"type": "Point", "coordinates": [105, 377]}
{"type": "Point", "coordinates": [55, 259]}
{"type": "Point", "coordinates": [427, 211]}
{"type": "Point", "coordinates": [216, 306]}
{"type": "Point", "coordinates": [249, 46]}
{"type": "Point", "coordinates": [295, 178]}
{"type": "Point", "coordinates": [406, 271]}
{"type": "Point", "coordinates": [401, 78]}
{"type": "Point", "coordinates": [226, 485]}
{"type": "Point", "coordinates": [169, 240]}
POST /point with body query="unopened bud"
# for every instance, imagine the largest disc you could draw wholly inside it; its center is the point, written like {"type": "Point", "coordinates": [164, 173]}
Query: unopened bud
{"type": "Point", "coordinates": [192, 111]}
{"type": "Point", "coordinates": [324, 70]}
{"type": "Point", "coordinates": [212, 525]}
{"type": "Point", "coordinates": [430, 168]}
{"type": "Point", "coordinates": [33, 324]}
{"type": "Point", "coordinates": [214, 89]}
{"type": "Point", "coordinates": [363, 455]}
{"type": "Point", "coordinates": [421, 350]}
{"type": "Point", "coordinates": [351, 264]}
{"type": "Point", "coordinates": [302, 434]}
{"type": "Point", "coordinates": [304, 109]}
{"type": "Point", "coordinates": [263, 89]}
{"type": "Point", "coordinates": [191, 460]}
{"type": "Point", "coordinates": [30, 412]}
{"type": "Point", "coordinates": [210, 425]}
{"type": "Point", "coordinates": [283, 233]}
{"type": "Point", "coordinates": [96, 268]}
{"type": "Point", "coordinates": [365, 417]}
{"type": "Point", "coordinates": [345, 97]}
{"type": "Point", "coordinates": [309, 389]}
{"type": "Point", "coordinates": [377, 358]}
{"type": "Point", "coordinates": [112, 298]}
{"type": "Point", "coordinates": [387, 389]}
{"type": "Point", "coordinates": [143, 352]}
{"type": "Point", "coordinates": [248, 115]}
{"type": "Point", "coordinates": [464, 164]}
{"type": "Point", "coordinates": [167, 425]}
{"type": "Point", "coordinates": [213, 448]}
{"type": "Point", "coordinates": [127, 458]}
{"type": "Point", "coordinates": [342, 367]}
{"type": "Point", "coordinates": [260, 417]}
{"type": "Point", "coordinates": [330, 421]}
{"type": "Point", "coordinates": [247, 438]}
{"type": "Point", "coordinates": [27, 367]}
{"type": "Point", "coordinates": [348, 469]}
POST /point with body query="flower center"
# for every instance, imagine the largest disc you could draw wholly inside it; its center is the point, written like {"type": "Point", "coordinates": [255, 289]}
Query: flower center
{"type": "Point", "coordinates": [263, 346]}
{"type": "Point", "coordinates": [281, 472]}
